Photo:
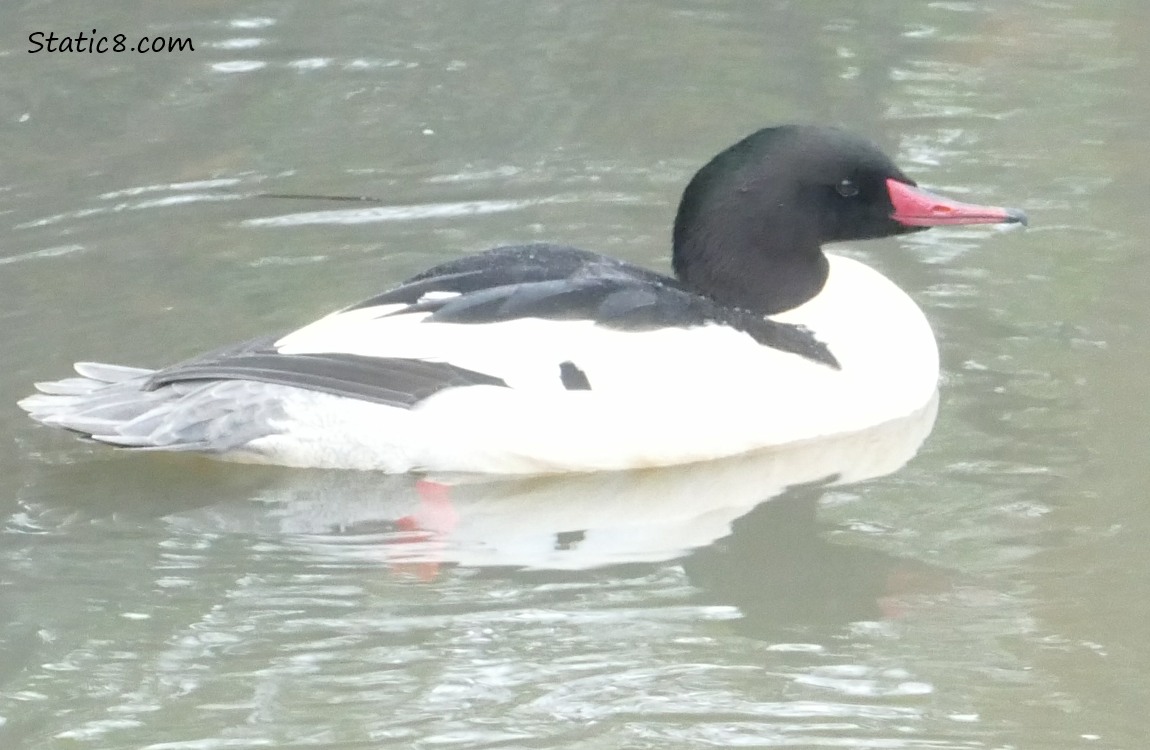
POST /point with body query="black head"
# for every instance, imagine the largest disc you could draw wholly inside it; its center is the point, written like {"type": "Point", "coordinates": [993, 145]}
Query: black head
{"type": "Point", "coordinates": [752, 221]}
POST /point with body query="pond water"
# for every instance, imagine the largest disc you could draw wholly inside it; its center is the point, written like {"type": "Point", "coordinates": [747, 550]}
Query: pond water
{"type": "Point", "coordinates": [980, 586]}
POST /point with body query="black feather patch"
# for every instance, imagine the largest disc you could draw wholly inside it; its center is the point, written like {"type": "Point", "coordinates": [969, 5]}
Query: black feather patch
{"type": "Point", "coordinates": [569, 540]}
{"type": "Point", "coordinates": [391, 381]}
{"type": "Point", "coordinates": [564, 283]}
{"type": "Point", "coordinates": [572, 377]}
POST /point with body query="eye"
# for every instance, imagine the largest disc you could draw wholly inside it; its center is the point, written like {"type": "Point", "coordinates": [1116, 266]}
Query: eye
{"type": "Point", "coordinates": [847, 188]}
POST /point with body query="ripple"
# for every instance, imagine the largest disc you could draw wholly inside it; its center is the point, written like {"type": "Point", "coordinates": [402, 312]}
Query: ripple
{"type": "Point", "coordinates": [164, 202]}
{"type": "Point", "coordinates": [255, 22]}
{"type": "Point", "coordinates": [238, 66]}
{"type": "Point", "coordinates": [238, 43]}
{"type": "Point", "coordinates": [48, 252]}
{"type": "Point", "coordinates": [310, 63]}
{"type": "Point", "coordinates": [392, 213]}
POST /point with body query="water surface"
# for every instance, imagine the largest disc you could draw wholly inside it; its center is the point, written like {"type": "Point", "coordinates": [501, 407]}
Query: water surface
{"type": "Point", "coordinates": [990, 593]}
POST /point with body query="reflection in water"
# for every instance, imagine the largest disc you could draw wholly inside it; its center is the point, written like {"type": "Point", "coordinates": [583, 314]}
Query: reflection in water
{"type": "Point", "coordinates": [797, 577]}
{"type": "Point", "coordinates": [575, 608]}
{"type": "Point", "coordinates": [589, 610]}
{"type": "Point", "coordinates": [415, 526]}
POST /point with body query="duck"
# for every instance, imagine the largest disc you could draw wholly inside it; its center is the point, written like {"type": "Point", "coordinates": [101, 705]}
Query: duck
{"type": "Point", "coordinates": [544, 358]}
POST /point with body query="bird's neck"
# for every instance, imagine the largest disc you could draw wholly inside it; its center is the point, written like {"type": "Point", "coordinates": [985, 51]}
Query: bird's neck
{"type": "Point", "coordinates": [738, 267]}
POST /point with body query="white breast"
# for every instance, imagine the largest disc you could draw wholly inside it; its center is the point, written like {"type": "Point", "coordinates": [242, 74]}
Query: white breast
{"type": "Point", "coordinates": [880, 337]}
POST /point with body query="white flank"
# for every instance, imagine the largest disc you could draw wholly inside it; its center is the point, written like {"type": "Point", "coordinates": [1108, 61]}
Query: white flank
{"type": "Point", "coordinates": [657, 397]}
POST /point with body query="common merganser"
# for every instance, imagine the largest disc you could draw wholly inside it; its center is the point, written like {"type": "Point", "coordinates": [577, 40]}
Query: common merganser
{"type": "Point", "coordinates": [544, 358]}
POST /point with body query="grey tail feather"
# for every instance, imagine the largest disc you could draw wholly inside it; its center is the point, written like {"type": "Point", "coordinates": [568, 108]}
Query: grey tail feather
{"type": "Point", "coordinates": [109, 404]}
{"type": "Point", "coordinates": [66, 403]}
{"type": "Point", "coordinates": [106, 373]}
